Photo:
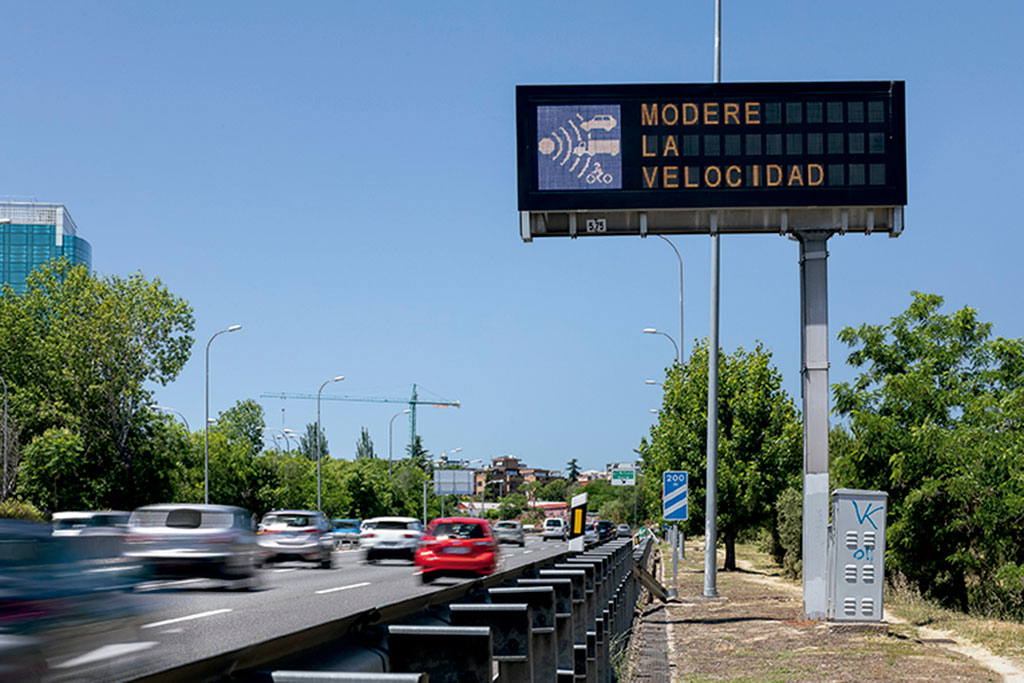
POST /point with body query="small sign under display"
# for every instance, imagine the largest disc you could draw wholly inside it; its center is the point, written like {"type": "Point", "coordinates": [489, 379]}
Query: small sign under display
{"type": "Point", "coordinates": [721, 145]}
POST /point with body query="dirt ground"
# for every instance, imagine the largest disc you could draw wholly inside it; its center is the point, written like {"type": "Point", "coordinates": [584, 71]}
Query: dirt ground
{"type": "Point", "coordinates": [754, 633]}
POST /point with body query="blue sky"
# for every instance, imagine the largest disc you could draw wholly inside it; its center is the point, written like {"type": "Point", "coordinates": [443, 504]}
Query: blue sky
{"type": "Point", "coordinates": [340, 179]}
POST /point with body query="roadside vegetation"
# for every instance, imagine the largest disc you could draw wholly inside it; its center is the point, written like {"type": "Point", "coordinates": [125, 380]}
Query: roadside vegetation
{"type": "Point", "coordinates": [935, 418]}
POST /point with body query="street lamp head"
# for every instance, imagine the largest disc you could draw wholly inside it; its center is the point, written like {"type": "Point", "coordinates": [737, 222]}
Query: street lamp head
{"type": "Point", "coordinates": [652, 410]}
{"type": "Point", "coordinates": [651, 381]}
{"type": "Point", "coordinates": [406, 411]}
{"type": "Point", "coordinates": [650, 330]}
{"type": "Point", "coordinates": [338, 378]}
{"type": "Point", "coordinates": [234, 328]}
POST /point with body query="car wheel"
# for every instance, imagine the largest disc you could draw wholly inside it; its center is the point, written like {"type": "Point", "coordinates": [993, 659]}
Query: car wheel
{"type": "Point", "coordinates": [427, 577]}
{"type": "Point", "coordinates": [522, 544]}
{"type": "Point", "coordinates": [326, 563]}
{"type": "Point", "coordinates": [544, 538]}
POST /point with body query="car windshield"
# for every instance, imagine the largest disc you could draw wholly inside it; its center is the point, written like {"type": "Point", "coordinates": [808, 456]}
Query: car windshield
{"type": "Point", "coordinates": [181, 518]}
{"type": "Point", "coordinates": [458, 530]}
{"type": "Point", "coordinates": [506, 525]}
{"type": "Point", "coordinates": [553, 522]}
{"type": "Point", "coordinates": [288, 520]}
{"type": "Point", "coordinates": [346, 524]}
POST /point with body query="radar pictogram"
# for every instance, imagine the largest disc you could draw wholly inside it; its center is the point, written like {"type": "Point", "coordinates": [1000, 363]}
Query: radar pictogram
{"type": "Point", "coordinates": [570, 139]}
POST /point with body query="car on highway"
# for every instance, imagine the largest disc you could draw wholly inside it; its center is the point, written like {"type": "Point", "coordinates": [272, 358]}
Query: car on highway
{"type": "Point", "coordinates": [457, 546]}
{"type": "Point", "coordinates": [390, 537]}
{"type": "Point", "coordinates": [193, 540]}
{"type": "Point", "coordinates": [555, 528]}
{"type": "Point", "coordinates": [510, 531]}
{"type": "Point", "coordinates": [90, 522]}
{"type": "Point", "coordinates": [346, 531]}
{"type": "Point", "coordinates": [57, 602]}
{"type": "Point", "coordinates": [605, 529]}
{"type": "Point", "coordinates": [623, 531]}
{"type": "Point", "coordinates": [589, 536]}
{"type": "Point", "coordinates": [303, 535]}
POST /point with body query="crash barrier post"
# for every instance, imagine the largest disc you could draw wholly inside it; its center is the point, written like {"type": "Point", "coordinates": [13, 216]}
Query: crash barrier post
{"type": "Point", "coordinates": [541, 600]}
{"type": "Point", "coordinates": [564, 617]}
{"type": "Point", "coordinates": [447, 654]}
{"type": "Point", "coordinates": [511, 634]}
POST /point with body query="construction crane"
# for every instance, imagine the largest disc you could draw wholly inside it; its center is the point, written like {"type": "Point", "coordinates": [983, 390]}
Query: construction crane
{"type": "Point", "coordinates": [413, 401]}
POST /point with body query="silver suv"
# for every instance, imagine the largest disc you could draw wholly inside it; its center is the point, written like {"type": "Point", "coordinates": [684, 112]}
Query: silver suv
{"type": "Point", "coordinates": [194, 541]}
{"type": "Point", "coordinates": [383, 537]}
{"type": "Point", "coordinates": [510, 531]}
{"type": "Point", "coordinates": [301, 535]}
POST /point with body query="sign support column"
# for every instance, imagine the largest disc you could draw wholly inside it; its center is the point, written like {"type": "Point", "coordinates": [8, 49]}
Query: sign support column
{"type": "Point", "coordinates": [814, 368]}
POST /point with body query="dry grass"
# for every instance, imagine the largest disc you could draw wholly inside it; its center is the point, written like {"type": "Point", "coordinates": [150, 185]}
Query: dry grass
{"type": "Point", "coordinates": [1003, 638]}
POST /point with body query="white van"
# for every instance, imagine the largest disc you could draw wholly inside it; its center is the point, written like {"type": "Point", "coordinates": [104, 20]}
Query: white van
{"type": "Point", "coordinates": [556, 528]}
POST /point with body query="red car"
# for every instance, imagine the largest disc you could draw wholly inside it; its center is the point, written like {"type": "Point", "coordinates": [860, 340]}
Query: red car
{"type": "Point", "coordinates": [457, 546]}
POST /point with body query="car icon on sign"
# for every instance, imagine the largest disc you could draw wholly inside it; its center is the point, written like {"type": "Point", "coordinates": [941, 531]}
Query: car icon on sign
{"type": "Point", "coordinates": [603, 121]}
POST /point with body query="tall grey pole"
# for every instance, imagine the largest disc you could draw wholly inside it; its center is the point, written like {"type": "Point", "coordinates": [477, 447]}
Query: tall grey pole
{"type": "Point", "coordinates": [318, 454]}
{"type": "Point", "coordinates": [3, 494]}
{"type": "Point", "coordinates": [206, 422]}
{"type": "Point", "coordinates": [711, 502]}
{"type": "Point", "coordinates": [814, 368]}
{"type": "Point", "coordinates": [682, 340]}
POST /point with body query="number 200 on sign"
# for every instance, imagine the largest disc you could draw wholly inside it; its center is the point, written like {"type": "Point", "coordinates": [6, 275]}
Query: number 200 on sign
{"type": "Point", "coordinates": [676, 477]}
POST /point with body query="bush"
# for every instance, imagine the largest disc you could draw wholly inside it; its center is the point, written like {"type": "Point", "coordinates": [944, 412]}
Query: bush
{"type": "Point", "coordinates": [790, 517]}
{"type": "Point", "coordinates": [16, 509]}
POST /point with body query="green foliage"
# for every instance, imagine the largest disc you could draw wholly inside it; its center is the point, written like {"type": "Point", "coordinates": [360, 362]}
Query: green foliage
{"type": "Point", "coordinates": [936, 418]}
{"type": "Point", "coordinates": [789, 550]}
{"type": "Point", "coordinates": [243, 423]}
{"type": "Point", "coordinates": [572, 470]}
{"type": "Point", "coordinates": [308, 443]}
{"type": "Point", "coordinates": [553, 491]}
{"type": "Point", "coordinates": [16, 509]}
{"type": "Point", "coordinates": [364, 447]}
{"type": "Point", "coordinates": [77, 353]}
{"type": "Point", "coordinates": [512, 506]}
{"type": "Point", "coordinates": [53, 473]}
{"type": "Point", "coordinates": [759, 442]}
{"type": "Point", "coordinates": [418, 455]}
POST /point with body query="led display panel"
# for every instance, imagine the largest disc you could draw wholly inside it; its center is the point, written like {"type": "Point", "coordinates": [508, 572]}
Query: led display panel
{"type": "Point", "coordinates": [706, 146]}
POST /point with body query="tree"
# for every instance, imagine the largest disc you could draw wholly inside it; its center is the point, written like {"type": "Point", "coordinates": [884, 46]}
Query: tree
{"type": "Point", "coordinates": [759, 445]}
{"type": "Point", "coordinates": [418, 455]}
{"type": "Point", "coordinates": [244, 422]}
{"type": "Point", "coordinates": [364, 447]}
{"type": "Point", "coordinates": [308, 445]}
{"type": "Point", "coordinates": [572, 470]}
{"type": "Point", "coordinates": [936, 419]}
{"type": "Point", "coordinates": [78, 353]}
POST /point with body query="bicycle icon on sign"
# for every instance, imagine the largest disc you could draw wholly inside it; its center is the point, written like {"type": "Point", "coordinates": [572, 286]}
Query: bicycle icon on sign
{"type": "Point", "coordinates": [597, 175]}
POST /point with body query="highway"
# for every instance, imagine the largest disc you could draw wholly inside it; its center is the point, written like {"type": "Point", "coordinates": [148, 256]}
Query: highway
{"type": "Point", "coordinates": [187, 620]}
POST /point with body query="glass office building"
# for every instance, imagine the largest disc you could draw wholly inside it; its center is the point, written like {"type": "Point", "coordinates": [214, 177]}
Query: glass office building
{"type": "Point", "coordinates": [32, 234]}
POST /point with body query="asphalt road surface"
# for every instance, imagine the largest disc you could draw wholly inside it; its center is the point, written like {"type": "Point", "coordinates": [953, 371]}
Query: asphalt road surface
{"type": "Point", "coordinates": [182, 621]}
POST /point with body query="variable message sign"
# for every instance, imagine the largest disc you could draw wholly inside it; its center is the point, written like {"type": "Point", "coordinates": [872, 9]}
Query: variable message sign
{"type": "Point", "coordinates": [616, 148]}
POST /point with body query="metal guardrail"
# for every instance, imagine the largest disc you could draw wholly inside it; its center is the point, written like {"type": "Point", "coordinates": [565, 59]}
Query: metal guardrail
{"type": "Point", "coordinates": [570, 637]}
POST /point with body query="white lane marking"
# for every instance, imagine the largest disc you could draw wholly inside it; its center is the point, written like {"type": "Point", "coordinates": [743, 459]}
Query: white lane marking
{"type": "Point", "coordinates": [104, 652]}
{"type": "Point", "coordinates": [343, 588]}
{"type": "Point", "coordinates": [190, 617]}
{"type": "Point", "coordinates": [286, 569]}
{"type": "Point", "coordinates": [527, 552]}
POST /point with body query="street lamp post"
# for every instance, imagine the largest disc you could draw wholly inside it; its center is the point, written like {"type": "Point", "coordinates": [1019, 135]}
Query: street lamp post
{"type": "Point", "coordinates": [333, 379]}
{"type": "Point", "coordinates": [206, 424]}
{"type": "Point", "coordinates": [682, 339]}
{"type": "Point", "coordinates": [651, 330]}
{"type": "Point", "coordinates": [154, 406]}
{"type": "Point", "coordinates": [391, 422]}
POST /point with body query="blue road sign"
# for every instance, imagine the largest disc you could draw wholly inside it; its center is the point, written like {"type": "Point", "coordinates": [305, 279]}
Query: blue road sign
{"type": "Point", "coordinates": [675, 496]}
